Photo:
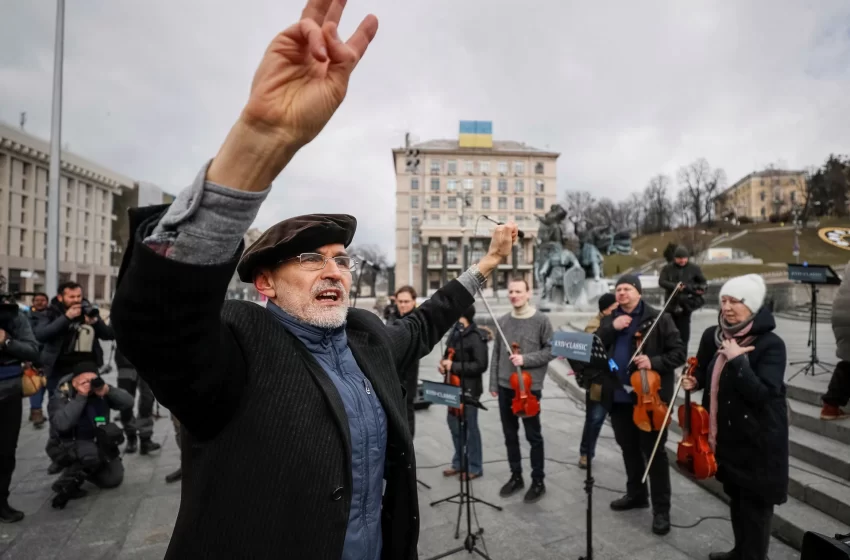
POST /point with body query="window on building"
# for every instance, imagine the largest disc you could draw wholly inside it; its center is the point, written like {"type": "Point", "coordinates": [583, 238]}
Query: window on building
{"type": "Point", "coordinates": [539, 204]}
{"type": "Point", "coordinates": [503, 204]}
{"type": "Point", "coordinates": [469, 166]}
{"type": "Point", "coordinates": [762, 195]}
{"type": "Point", "coordinates": [519, 186]}
{"type": "Point", "coordinates": [484, 167]}
{"type": "Point", "coordinates": [453, 202]}
{"type": "Point", "coordinates": [485, 185]}
{"type": "Point", "coordinates": [503, 167]}
{"type": "Point", "coordinates": [451, 251]}
{"type": "Point", "coordinates": [435, 202]}
{"type": "Point", "coordinates": [435, 184]}
{"type": "Point", "coordinates": [414, 183]}
{"type": "Point", "coordinates": [451, 185]}
{"type": "Point", "coordinates": [518, 203]}
{"type": "Point", "coordinates": [762, 211]}
{"type": "Point", "coordinates": [415, 256]}
{"type": "Point", "coordinates": [539, 187]}
{"type": "Point", "coordinates": [414, 202]}
{"type": "Point", "coordinates": [485, 202]}
{"type": "Point", "coordinates": [451, 167]}
{"type": "Point", "coordinates": [793, 196]}
{"type": "Point", "coordinates": [478, 250]}
{"type": "Point", "coordinates": [519, 167]}
{"type": "Point", "coordinates": [468, 184]}
{"type": "Point", "coordinates": [538, 168]}
{"type": "Point", "coordinates": [435, 167]}
{"type": "Point", "coordinates": [503, 185]}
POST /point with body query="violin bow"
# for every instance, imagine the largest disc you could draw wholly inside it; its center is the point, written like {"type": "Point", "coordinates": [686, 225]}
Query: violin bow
{"type": "Point", "coordinates": [679, 286]}
{"type": "Point", "coordinates": [670, 408]}
{"type": "Point", "coordinates": [496, 322]}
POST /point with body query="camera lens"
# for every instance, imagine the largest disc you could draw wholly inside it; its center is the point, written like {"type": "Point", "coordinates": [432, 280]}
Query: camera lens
{"type": "Point", "coordinates": [97, 383]}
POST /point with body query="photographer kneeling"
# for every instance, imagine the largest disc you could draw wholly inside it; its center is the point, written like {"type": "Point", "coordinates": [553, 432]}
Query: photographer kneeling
{"type": "Point", "coordinates": [83, 441]}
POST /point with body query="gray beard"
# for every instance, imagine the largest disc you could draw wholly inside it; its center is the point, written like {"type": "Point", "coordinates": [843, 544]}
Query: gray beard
{"type": "Point", "coordinates": [324, 318]}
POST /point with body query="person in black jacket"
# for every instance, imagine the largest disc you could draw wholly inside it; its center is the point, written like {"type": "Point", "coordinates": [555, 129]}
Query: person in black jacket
{"type": "Point", "coordinates": [690, 297]}
{"type": "Point", "coordinates": [405, 303]}
{"type": "Point", "coordinates": [741, 369]}
{"type": "Point", "coordinates": [38, 315]}
{"type": "Point", "coordinates": [471, 356]}
{"type": "Point", "coordinates": [662, 352]}
{"type": "Point", "coordinates": [17, 345]}
{"type": "Point", "coordinates": [303, 449]}
{"type": "Point", "coordinates": [138, 429]}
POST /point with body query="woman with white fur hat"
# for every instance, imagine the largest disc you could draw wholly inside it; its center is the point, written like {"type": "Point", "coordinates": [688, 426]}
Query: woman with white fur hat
{"type": "Point", "coordinates": [742, 371]}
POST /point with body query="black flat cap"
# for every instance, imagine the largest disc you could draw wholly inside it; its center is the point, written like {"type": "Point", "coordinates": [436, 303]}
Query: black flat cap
{"type": "Point", "coordinates": [290, 238]}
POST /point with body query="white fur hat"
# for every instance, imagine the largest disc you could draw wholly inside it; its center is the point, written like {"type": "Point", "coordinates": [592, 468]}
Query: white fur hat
{"type": "Point", "coordinates": [748, 289]}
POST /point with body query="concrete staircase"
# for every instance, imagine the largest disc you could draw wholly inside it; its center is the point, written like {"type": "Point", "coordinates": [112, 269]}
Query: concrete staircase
{"type": "Point", "coordinates": [803, 313]}
{"type": "Point", "coordinates": [819, 485]}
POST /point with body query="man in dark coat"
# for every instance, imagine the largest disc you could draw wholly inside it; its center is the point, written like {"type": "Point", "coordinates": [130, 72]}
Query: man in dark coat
{"type": "Point", "coordinates": [662, 352]}
{"type": "Point", "coordinates": [404, 304]}
{"type": "Point", "coordinates": [295, 442]}
{"type": "Point", "coordinates": [690, 296]}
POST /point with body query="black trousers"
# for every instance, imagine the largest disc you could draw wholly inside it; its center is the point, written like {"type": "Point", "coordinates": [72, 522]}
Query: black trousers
{"type": "Point", "coordinates": [10, 427]}
{"type": "Point", "coordinates": [637, 448]}
{"type": "Point", "coordinates": [751, 519]}
{"type": "Point", "coordinates": [683, 324]}
{"type": "Point", "coordinates": [838, 392]}
{"type": "Point", "coordinates": [411, 386]}
{"type": "Point", "coordinates": [143, 425]}
{"type": "Point", "coordinates": [533, 433]}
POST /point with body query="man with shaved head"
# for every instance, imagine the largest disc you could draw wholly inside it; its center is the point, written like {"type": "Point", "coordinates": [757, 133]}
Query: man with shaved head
{"type": "Point", "coordinates": [295, 442]}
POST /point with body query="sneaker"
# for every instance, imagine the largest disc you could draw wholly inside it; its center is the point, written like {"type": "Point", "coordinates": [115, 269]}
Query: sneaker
{"type": "Point", "coordinates": [8, 514]}
{"type": "Point", "coordinates": [629, 502]}
{"type": "Point", "coordinates": [535, 492]}
{"type": "Point", "coordinates": [514, 485]}
{"type": "Point", "coordinates": [54, 468]}
{"type": "Point", "coordinates": [175, 476]}
{"type": "Point", "coordinates": [132, 445]}
{"type": "Point", "coordinates": [832, 412]}
{"type": "Point", "coordinates": [661, 523]}
{"type": "Point", "coordinates": [37, 418]}
{"type": "Point", "coordinates": [147, 446]}
{"type": "Point", "coordinates": [582, 462]}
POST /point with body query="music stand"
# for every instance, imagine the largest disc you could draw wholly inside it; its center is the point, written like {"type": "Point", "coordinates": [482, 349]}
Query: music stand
{"type": "Point", "coordinates": [814, 275]}
{"type": "Point", "coordinates": [588, 349]}
{"type": "Point", "coordinates": [465, 495]}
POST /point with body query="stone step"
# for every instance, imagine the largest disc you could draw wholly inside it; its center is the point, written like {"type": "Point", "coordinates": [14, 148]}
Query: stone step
{"type": "Point", "coordinates": [819, 451]}
{"type": "Point", "coordinates": [807, 417]}
{"type": "Point", "coordinates": [791, 520]}
{"type": "Point", "coordinates": [804, 394]}
{"type": "Point", "coordinates": [820, 490]}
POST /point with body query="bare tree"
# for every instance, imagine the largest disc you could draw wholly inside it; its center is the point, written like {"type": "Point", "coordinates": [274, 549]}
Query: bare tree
{"type": "Point", "coordinates": [638, 211]}
{"type": "Point", "coordinates": [659, 208]}
{"type": "Point", "coordinates": [699, 182]}
{"type": "Point", "coordinates": [579, 206]}
{"type": "Point", "coordinates": [683, 209]}
{"type": "Point", "coordinates": [372, 263]}
{"type": "Point", "coordinates": [713, 188]}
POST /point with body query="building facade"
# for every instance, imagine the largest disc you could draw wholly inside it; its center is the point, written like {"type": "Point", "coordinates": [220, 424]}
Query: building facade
{"type": "Point", "coordinates": [760, 195]}
{"type": "Point", "coordinates": [86, 192]}
{"type": "Point", "coordinates": [443, 190]}
{"type": "Point", "coordinates": [142, 193]}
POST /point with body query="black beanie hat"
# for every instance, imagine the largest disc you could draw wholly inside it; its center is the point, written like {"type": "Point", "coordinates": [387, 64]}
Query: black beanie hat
{"type": "Point", "coordinates": [606, 300]}
{"type": "Point", "coordinates": [84, 367]}
{"type": "Point", "coordinates": [631, 280]}
{"type": "Point", "coordinates": [681, 252]}
{"type": "Point", "coordinates": [469, 314]}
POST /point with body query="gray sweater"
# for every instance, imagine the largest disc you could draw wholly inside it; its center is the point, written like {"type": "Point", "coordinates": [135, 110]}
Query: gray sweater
{"type": "Point", "coordinates": [534, 336]}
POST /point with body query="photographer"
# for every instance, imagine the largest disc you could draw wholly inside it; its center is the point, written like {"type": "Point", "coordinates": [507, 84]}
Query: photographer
{"type": "Point", "coordinates": [17, 345]}
{"type": "Point", "coordinates": [38, 315]}
{"type": "Point", "coordinates": [136, 427]}
{"type": "Point", "coordinates": [82, 440]}
{"type": "Point", "coordinates": [690, 298]}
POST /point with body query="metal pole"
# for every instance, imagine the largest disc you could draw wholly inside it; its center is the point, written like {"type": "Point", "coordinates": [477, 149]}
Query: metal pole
{"type": "Point", "coordinates": [410, 251]}
{"type": "Point", "coordinates": [52, 265]}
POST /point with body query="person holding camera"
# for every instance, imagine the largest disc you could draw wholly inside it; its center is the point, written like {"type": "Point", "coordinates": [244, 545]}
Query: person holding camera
{"type": "Point", "coordinates": [690, 298]}
{"type": "Point", "coordinates": [17, 345]}
{"type": "Point", "coordinates": [82, 439]}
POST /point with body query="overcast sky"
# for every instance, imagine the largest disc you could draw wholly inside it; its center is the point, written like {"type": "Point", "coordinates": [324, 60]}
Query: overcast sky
{"type": "Point", "coordinates": [623, 90]}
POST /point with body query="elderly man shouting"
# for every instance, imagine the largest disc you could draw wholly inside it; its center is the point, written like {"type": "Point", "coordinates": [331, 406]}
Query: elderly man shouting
{"type": "Point", "coordinates": [298, 445]}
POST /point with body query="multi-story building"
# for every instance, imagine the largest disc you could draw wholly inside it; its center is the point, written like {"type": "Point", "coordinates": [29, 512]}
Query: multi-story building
{"type": "Point", "coordinates": [237, 289]}
{"type": "Point", "coordinates": [762, 194]}
{"type": "Point", "coordinates": [142, 193]}
{"type": "Point", "coordinates": [85, 217]}
{"type": "Point", "coordinates": [444, 187]}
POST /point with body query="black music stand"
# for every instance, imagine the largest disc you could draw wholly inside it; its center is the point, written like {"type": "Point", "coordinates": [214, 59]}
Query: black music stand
{"type": "Point", "coordinates": [596, 358]}
{"type": "Point", "coordinates": [465, 495]}
{"type": "Point", "coordinates": [814, 275]}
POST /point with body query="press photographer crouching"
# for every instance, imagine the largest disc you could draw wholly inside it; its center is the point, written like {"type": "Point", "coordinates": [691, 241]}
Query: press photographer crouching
{"type": "Point", "coordinates": [82, 439]}
{"type": "Point", "coordinates": [17, 345]}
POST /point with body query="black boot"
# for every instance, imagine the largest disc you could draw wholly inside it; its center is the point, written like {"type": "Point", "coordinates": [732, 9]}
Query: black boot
{"type": "Point", "coordinates": [535, 492]}
{"type": "Point", "coordinates": [8, 514]}
{"type": "Point", "coordinates": [132, 445]}
{"type": "Point", "coordinates": [147, 446]}
{"type": "Point", "coordinates": [175, 476]}
{"type": "Point", "coordinates": [731, 555]}
{"type": "Point", "coordinates": [661, 523]}
{"type": "Point", "coordinates": [54, 468]}
{"type": "Point", "coordinates": [629, 502]}
{"type": "Point", "coordinates": [514, 485]}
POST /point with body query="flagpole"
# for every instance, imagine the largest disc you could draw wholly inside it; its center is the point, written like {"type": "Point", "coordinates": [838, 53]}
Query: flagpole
{"type": "Point", "coordinates": [52, 264]}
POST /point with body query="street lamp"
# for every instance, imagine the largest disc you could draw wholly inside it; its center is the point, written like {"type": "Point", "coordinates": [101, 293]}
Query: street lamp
{"type": "Point", "coordinates": [52, 265]}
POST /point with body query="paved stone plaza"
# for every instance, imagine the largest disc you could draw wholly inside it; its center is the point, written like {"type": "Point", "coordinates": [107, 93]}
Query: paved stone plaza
{"type": "Point", "coordinates": [134, 521]}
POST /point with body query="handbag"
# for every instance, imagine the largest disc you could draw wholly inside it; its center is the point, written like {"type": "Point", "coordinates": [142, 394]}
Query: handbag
{"type": "Point", "coordinates": [32, 381]}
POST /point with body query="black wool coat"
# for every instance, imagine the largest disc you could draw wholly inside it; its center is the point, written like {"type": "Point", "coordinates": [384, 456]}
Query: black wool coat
{"type": "Point", "coordinates": [752, 411]}
{"type": "Point", "coordinates": [267, 464]}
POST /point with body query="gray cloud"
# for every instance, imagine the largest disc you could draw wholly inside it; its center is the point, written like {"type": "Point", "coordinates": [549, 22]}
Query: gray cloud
{"type": "Point", "coordinates": [623, 90]}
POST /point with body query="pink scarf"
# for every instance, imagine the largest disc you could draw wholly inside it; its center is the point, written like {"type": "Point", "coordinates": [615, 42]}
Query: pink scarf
{"type": "Point", "coordinates": [719, 364]}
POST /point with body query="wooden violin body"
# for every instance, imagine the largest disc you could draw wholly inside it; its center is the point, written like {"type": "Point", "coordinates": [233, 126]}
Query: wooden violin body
{"type": "Point", "coordinates": [524, 404]}
{"type": "Point", "coordinates": [694, 453]}
{"type": "Point", "coordinates": [649, 411]}
{"type": "Point", "coordinates": [453, 379]}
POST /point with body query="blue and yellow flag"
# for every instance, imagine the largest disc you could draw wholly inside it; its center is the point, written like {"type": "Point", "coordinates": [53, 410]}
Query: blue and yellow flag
{"type": "Point", "coordinates": [476, 134]}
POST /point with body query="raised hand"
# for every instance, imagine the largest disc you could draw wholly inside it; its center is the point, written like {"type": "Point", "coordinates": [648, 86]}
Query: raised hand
{"type": "Point", "coordinates": [299, 84]}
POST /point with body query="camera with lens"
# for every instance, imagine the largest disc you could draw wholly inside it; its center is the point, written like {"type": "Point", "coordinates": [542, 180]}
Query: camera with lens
{"type": "Point", "coordinates": [90, 310]}
{"type": "Point", "coordinates": [97, 383]}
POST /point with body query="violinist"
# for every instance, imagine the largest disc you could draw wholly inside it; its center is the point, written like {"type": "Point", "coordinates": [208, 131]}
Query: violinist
{"type": "Point", "coordinates": [467, 344]}
{"type": "Point", "coordinates": [741, 369]}
{"type": "Point", "coordinates": [532, 330]}
{"type": "Point", "coordinates": [662, 353]}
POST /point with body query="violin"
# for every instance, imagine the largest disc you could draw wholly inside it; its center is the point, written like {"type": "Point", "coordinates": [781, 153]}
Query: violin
{"type": "Point", "coordinates": [694, 453]}
{"type": "Point", "coordinates": [525, 404]}
{"type": "Point", "coordinates": [650, 412]}
{"type": "Point", "coordinates": [453, 379]}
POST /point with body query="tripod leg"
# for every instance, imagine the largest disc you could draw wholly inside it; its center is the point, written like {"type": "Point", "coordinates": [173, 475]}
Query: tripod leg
{"type": "Point", "coordinates": [479, 501]}
{"type": "Point", "coordinates": [423, 484]}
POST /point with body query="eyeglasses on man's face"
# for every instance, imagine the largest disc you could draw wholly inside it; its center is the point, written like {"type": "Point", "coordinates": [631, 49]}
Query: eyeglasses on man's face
{"type": "Point", "coordinates": [316, 261]}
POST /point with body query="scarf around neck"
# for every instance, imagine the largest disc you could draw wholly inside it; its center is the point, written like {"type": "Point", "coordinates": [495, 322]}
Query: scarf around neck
{"type": "Point", "coordinates": [524, 312]}
{"type": "Point", "coordinates": [724, 332]}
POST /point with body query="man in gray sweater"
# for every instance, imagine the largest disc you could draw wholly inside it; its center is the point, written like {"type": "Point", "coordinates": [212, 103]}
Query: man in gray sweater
{"type": "Point", "coordinates": [532, 330]}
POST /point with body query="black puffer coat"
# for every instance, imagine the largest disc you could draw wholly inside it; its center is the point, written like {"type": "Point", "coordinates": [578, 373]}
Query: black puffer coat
{"type": "Point", "coordinates": [752, 421]}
